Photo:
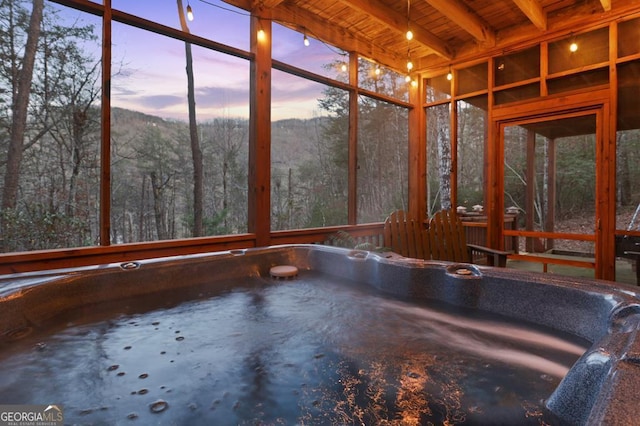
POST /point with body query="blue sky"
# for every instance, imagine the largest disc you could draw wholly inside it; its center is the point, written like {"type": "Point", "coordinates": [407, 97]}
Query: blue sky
{"type": "Point", "coordinates": [149, 70]}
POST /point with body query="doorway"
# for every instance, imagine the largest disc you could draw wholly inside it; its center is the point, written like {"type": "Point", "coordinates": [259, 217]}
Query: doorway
{"type": "Point", "coordinates": [552, 178]}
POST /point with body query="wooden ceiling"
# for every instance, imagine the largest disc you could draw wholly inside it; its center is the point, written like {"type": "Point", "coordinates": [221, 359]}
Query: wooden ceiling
{"type": "Point", "coordinates": [445, 31]}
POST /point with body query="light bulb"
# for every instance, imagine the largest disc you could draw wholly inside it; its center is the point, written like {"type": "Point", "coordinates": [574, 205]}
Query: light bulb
{"type": "Point", "coordinates": [377, 70]}
{"type": "Point", "coordinates": [573, 46]}
{"type": "Point", "coordinates": [414, 83]}
{"type": "Point", "coordinates": [189, 12]}
{"type": "Point", "coordinates": [306, 41]}
{"type": "Point", "coordinates": [261, 35]}
{"type": "Point", "coordinates": [407, 78]}
{"type": "Point", "coordinates": [344, 67]}
{"type": "Point", "coordinates": [409, 65]}
{"type": "Point", "coordinates": [450, 76]}
{"type": "Point", "coordinates": [409, 35]}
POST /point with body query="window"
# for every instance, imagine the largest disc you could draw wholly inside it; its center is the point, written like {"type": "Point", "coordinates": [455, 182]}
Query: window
{"type": "Point", "coordinates": [52, 198]}
{"type": "Point", "coordinates": [228, 19]}
{"type": "Point", "coordinates": [382, 159]}
{"type": "Point", "coordinates": [438, 158]}
{"type": "Point", "coordinates": [309, 150]}
{"type": "Point", "coordinates": [472, 139]}
{"type": "Point", "coordinates": [153, 180]}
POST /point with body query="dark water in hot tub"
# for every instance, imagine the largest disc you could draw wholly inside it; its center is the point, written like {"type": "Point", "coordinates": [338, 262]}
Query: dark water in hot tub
{"type": "Point", "coordinates": [304, 351]}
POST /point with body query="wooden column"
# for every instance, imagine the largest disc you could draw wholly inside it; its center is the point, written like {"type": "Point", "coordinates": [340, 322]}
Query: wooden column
{"type": "Point", "coordinates": [352, 199]}
{"type": "Point", "coordinates": [417, 152]}
{"type": "Point", "coordinates": [259, 214]}
{"type": "Point", "coordinates": [105, 123]}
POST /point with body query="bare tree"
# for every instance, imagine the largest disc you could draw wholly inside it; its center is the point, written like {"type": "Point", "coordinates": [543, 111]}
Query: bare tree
{"type": "Point", "coordinates": [19, 109]}
{"type": "Point", "coordinates": [196, 152]}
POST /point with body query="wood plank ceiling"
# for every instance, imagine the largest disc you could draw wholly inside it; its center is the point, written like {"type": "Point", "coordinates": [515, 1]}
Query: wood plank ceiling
{"type": "Point", "coordinates": [445, 31]}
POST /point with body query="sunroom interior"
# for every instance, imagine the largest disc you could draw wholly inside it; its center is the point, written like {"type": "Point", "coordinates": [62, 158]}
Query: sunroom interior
{"type": "Point", "coordinates": [166, 128]}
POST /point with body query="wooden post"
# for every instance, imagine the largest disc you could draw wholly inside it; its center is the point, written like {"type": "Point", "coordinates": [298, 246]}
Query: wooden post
{"type": "Point", "coordinates": [105, 122]}
{"type": "Point", "coordinates": [259, 214]}
{"type": "Point", "coordinates": [352, 200]}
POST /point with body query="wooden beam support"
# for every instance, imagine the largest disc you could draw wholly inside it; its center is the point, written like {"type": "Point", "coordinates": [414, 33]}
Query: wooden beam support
{"type": "Point", "coordinates": [533, 10]}
{"type": "Point", "coordinates": [398, 22]}
{"type": "Point", "coordinates": [259, 209]}
{"type": "Point", "coordinates": [460, 14]}
{"type": "Point", "coordinates": [271, 3]}
{"type": "Point", "coordinates": [606, 5]}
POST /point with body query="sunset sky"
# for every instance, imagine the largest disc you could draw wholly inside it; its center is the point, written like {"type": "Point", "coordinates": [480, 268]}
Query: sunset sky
{"type": "Point", "coordinates": [149, 70]}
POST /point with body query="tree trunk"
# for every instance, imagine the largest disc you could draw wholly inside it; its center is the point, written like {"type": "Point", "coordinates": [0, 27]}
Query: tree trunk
{"type": "Point", "coordinates": [444, 159]}
{"type": "Point", "coordinates": [19, 109]}
{"type": "Point", "coordinates": [196, 152]}
{"type": "Point", "coordinates": [159, 206]}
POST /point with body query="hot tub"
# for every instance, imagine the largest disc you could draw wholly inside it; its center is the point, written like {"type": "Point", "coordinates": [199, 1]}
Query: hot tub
{"type": "Point", "coordinates": [352, 337]}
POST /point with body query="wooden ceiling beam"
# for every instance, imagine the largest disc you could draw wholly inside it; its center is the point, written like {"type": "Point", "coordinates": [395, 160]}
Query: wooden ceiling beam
{"type": "Point", "coordinates": [606, 5]}
{"type": "Point", "coordinates": [398, 22]}
{"type": "Point", "coordinates": [296, 18]}
{"type": "Point", "coordinates": [533, 11]}
{"type": "Point", "coordinates": [271, 3]}
{"type": "Point", "coordinates": [460, 14]}
{"type": "Point", "coordinates": [301, 20]}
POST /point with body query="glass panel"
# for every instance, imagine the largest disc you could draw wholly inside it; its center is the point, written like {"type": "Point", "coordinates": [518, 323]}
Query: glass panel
{"type": "Point", "coordinates": [472, 79]}
{"type": "Point", "coordinates": [515, 94]}
{"type": "Point", "coordinates": [629, 37]}
{"type": "Point", "coordinates": [578, 81]}
{"type": "Point", "coordinates": [519, 66]}
{"type": "Point", "coordinates": [472, 139]}
{"type": "Point", "coordinates": [318, 57]}
{"type": "Point", "coordinates": [438, 88]}
{"type": "Point", "coordinates": [438, 158]}
{"type": "Point", "coordinates": [627, 171]}
{"type": "Point", "coordinates": [380, 79]}
{"type": "Point", "coordinates": [153, 190]}
{"type": "Point", "coordinates": [383, 158]}
{"type": "Point", "coordinates": [309, 153]}
{"type": "Point", "coordinates": [212, 19]}
{"type": "Point", "coordinates": [591, 48]}
{"type": "Point", "coordinates": [550, 179]}
{"type": "Point", "coordinates": [51, 169]}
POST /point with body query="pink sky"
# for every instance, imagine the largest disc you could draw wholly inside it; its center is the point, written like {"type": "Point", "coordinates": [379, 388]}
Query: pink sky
{"type": "Point", "coordinates": [149, 70]}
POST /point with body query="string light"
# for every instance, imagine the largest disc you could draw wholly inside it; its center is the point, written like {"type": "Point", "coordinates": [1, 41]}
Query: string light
{"type": "Point", "coordinates": [414, 83]}
{"type": "Point", "coordinates": [344, 67]}
{"type": "Point", "coordinates": [189, 12]}
{"type": "Point", "coordinates": [407, 78]}
{"type": "Point", "coordinates": [306, 40]}
{"type": "Point", "coordinates": [377, 70]}
{"type": "Point", "coordinates": [409, 34]}
{"type": "Point", "coordinates": [573, 47]}
{"type": "Point", "coordinates": [450, 75]}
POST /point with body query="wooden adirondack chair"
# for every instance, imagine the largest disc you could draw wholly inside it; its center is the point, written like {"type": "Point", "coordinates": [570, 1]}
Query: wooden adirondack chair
{"type": "Point", "coordinates": [443, 239]}
{"type": "Point", "coordinates": [406, 236]}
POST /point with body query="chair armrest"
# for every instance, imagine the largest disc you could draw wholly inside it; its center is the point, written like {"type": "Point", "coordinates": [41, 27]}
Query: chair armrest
{"type": "Point", "coordinates": [494, 257]}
